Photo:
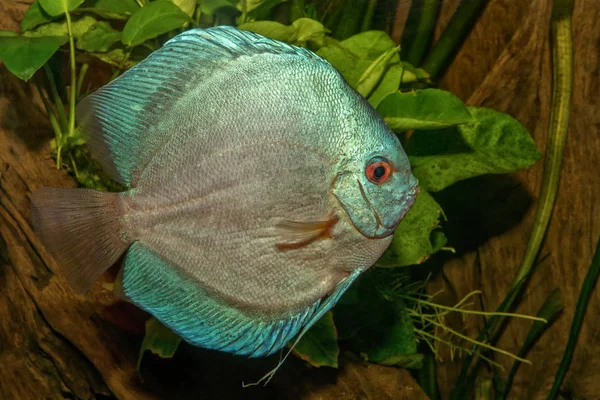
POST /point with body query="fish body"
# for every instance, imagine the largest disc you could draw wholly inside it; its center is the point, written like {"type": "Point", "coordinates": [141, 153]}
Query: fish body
{"type": "Point", "coordinates": [261, 185]}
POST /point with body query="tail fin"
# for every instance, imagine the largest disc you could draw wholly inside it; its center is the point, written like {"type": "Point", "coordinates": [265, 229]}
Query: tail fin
{"type": "Point", "coordinates": [81, 229]}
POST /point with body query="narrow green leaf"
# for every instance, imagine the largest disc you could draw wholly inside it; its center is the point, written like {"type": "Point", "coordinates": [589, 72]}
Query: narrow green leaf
{"type": "Point", "coordinates": [412, 240]}
{"type": "Point", "coordinates": [34, 16]}
{"type": "Point", "coordinates": [495, 143]}
{"type": "Point", "coordinates": [319, 346]}
{"type": "Point", "coordinates": [389, 84]}
{"type": "Point", "coordinates": [582, 302]}
{"type": "Point", "coordinates": [159, 339]}
{"type": "Point", "coordinates": [59, 7]}
{"type": "Point", "coordinates": [23, 55]}
{"type": "Point", "coordinates": [99, 38]}
{"type": "Point", "coordinates": [8, 34]}
{"type": "Point", "coordinates": [79, 26]}
{"type": "Point", "coordinates": [374, 72]}
{"type": "Point", "coordinates": [110, 9]}
{"type": "Point", "coordinates": [549, 311]}
{"type": "Point", "coordinates": [154, 19]}
{"type": "Point", "coordinates": [423, 109]}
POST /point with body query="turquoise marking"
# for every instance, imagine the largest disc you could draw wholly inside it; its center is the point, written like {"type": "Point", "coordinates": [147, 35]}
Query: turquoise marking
{"type": "Point", "coordinates": [181, 305]}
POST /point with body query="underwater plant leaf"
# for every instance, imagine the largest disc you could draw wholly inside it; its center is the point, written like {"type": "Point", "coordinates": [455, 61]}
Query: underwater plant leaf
{"type": "Point", "coordinates": [24, 55]}
{"type": "Point", "coordinates": [423, 109]}
{"type": "Point", "coordinates": [99, 38]}
{"type": "Point", "coordinates": [374, 321]}
{"type": "Point", "coordinates": [115, 58]}
{"type": "Point", "coordinates": [270, 29]}
{"type": "Point", "coordinates": [375, 71]}
{"type": "Point", "coordinates": [59, 7]}
{"type": "Point", "coordinates": [389, 84]}
{"type": "Point", "coordinates": [8, 34]}
{"type": "Point", "coordinates": [110, 9]}
{"type": "Point", "coordinates": [494, 143]}
{"type": "Point", "coordinates": [587, 288]}
{"type": "Point", "coordinates": [257, 9]}
{"type": "Point", "coordinates": [209, 7]}
{"type": "Point", "coordinates": [154, 19]}
{"type": "Point", "coordinates": [550, 310]}
{"type": "Point", "coordinates": [34, 16]}
{"type": "Point", "coordinates": [356, 59]}
{"type": "Point", "coordinates": [159, 339]}
{"type": "Point", "coordinates": [299, 32]}
{"type": "Point", "coordinates": [78, 28]}
{"type": "Point", "coordinates": [369, 45]}
{"type": "Point", "coordinates": [319, 346]}
{"type": "Point", "coordinates": [187, 6]}
{"type": "Point", "coordinates": [413, 242]}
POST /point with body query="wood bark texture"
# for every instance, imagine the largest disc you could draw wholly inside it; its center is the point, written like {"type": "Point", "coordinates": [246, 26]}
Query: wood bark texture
{"type": "Point", "coordinates": [56, 344]}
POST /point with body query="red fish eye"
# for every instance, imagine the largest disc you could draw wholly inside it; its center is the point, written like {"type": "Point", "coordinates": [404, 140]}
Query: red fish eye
{"type": "Point", "coordinates": [379, 171]}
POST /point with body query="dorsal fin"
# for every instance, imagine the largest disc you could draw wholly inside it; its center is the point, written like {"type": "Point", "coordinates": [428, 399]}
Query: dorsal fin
{"type": "Point", "coordinates": [116, 117]}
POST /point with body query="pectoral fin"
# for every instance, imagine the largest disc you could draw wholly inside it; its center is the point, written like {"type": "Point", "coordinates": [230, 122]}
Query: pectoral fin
{"type": "Point", "coordinates": [294, 233]}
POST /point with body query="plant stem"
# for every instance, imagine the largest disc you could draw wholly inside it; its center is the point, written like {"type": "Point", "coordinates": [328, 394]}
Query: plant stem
{"type": "Point", "coordinates": [82, 73]}
{"type": "Point", "coordinates": [53, 122]}
{"type": "Point", "coordinates": [562, 57]}
{"type": "Point", "coordinates": [453, 36]}
{"type": "Point", "coordinates": [73, 97]}
{"type": "Point", "coordinates": [368, 19]}
{"type": "Point", "coordinates": [57, 100]}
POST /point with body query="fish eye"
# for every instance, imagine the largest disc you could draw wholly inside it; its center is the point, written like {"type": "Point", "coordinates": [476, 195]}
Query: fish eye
{"type": "Point", "coordinates": [379, 170]}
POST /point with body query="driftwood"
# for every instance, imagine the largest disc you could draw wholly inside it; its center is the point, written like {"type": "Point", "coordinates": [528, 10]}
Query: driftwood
{"type": "Point", "coordinates": [57, 344]}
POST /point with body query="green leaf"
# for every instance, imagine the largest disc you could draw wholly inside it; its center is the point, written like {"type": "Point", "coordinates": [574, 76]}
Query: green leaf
{"type": "Point", "coordinates": [494, 143]}
{"type": "Point", "coordinates": [412, 240]}
{"type": "Point", "coordinates": [59, 7]}
{"type": "Point", "coordinates": [368, 61]}
{"type": "Point", "coordinates": [99, 38]}
{"type": "Point", "coordinates": [258, 9]}
{"type": "Point", "coordinates": [319, 346]}
{"type": "Point", "coordinates": [375, 71]}
{"type": "Point", "coordinates": [23, 55]}
{"type": "Point", "coordinates": [8, 34]}
{"type": "Point", "coordinates": [187, 6]}
{"type": "Point", "coordinates": [423, 109]}
{"type": "Point", "coordinates": [115, 58]}
{"type": "Point", "coordinates": [377, 325]}
{"type": "Point", "coordinates": [299, 32]}
{"type": "Point", "coordinates": [79, 27]}
{"type": "Point", "coordinates": [152, 20]}
{"type": "Point", "coordinates": [209, 7]}
{"type": "Point", "coordinates": [111, 9]}
{"type": "Point", "coordinates": [34, 16]}
{"type": "Point", "coordinates": [389, 84]}
{"type": "Point", "coordinates": [391, 342]}
{"type": "Point", "coordinates": [369, 45]}
{"type": "Point", "coordinates": [270, 29]}
{"type": "Point", "coordinates": [159, 339]}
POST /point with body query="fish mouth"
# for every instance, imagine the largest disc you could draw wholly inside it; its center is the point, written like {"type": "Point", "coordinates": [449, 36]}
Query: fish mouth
{"type": "Point", "coordinates": [406, 202]}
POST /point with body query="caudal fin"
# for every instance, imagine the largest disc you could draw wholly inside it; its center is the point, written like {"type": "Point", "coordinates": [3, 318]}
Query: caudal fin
{"type": "Point", "coordinates": [80, 228]}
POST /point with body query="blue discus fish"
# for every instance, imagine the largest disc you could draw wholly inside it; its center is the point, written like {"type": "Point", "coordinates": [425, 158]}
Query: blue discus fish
{"type": "Point", "coordinates": [261, 185]}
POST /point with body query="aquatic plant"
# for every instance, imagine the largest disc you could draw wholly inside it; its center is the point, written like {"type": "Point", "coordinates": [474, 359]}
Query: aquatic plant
{"type": "Point", "coordinates": [63, 41]}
